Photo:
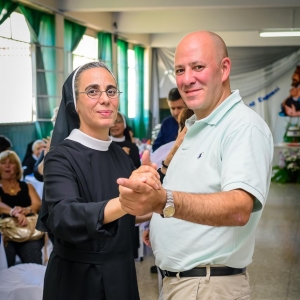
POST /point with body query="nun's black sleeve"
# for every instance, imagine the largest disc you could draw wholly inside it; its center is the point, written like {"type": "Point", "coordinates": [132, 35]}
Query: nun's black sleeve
{"type": "Point", "coordinates": [70, 217]}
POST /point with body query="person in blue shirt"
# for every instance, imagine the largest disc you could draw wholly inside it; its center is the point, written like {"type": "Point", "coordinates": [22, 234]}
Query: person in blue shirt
{"type": "Point", "coordinates": [169, 127]}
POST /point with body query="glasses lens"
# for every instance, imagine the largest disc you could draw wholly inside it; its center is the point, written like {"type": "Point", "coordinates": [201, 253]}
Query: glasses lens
{"type": "Point", "coordinates": [93, 93]}
{"type": "Point", "coordinates": [112, 93]}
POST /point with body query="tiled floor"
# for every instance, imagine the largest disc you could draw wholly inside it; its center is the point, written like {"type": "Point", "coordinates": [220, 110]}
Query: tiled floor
{"type": "Point", "coordinates": [275, 271]}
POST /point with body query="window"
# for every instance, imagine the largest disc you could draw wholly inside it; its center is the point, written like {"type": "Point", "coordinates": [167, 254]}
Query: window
{"type": "Point", "coordinates": [132, 84]}
{"type": "Point", "coordinates": [86, 51]}
{"type": "Point", "coordinates": [16, 100]}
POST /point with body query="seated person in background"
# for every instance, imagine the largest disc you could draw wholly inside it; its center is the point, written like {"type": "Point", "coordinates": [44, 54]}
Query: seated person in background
{"type": "Point", "coordinates": [38, 169]}
{"type": "Point", "coordinates": [29, 161]}
{"type": "Point", "coordinates": [18, 199]}
{"type": "Point", "coordinates": [5, 143]}
{"type": "Point", "coordinates": [120, 135]}
{"type": "Point", "coordinates": [169, 128]}
{"type": "Point", "coordinates": [161, 153]}
{"type": "Point", "coordinates": [131, 134]}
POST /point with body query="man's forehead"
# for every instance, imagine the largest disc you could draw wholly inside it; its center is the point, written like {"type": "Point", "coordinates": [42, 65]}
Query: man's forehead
{"type": "Point", "coordinates": [193, 49]}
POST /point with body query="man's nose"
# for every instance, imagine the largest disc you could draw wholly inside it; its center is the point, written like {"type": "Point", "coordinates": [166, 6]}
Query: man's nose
{"type": "Point", "coordinates": [188, 77]}
{"type": "Point", "coordinates": [177, 111]}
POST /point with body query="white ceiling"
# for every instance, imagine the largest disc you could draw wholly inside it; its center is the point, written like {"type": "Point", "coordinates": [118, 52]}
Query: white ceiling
{"type": "Point", "coordinates": [162, 23]}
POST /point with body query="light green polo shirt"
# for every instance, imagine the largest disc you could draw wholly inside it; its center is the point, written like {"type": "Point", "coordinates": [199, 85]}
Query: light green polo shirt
{"type": "Point", "coordinates": [232, 148]}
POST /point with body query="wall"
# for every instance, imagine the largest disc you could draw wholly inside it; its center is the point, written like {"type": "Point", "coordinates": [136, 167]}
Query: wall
{"type": "Point", "coordinates": [20, 135]}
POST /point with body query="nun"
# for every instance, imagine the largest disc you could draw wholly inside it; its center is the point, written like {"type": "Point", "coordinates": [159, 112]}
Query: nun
{"type": "Point", "coordinates": [120, 135]}
{"type": "Point", "coordinates": [92, 257]}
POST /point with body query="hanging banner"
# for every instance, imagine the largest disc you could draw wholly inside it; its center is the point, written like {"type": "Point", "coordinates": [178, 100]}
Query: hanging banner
{"type": "Point", "coordinates": [291, 105]}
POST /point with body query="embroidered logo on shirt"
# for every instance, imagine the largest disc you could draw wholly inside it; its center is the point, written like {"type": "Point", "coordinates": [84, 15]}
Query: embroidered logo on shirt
{"type": "Point", "coordinates": [199, 156]}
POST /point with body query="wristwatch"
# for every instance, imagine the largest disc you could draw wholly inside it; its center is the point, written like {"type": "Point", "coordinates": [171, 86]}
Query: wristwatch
{"type": "Point", "coordinates": [169, 209]}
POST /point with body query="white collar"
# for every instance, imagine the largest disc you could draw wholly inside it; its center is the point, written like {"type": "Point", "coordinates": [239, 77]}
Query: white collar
{"type": "Point", "coordinates": [88, 141]}
{"type": "Point", "coordinates": [114, 139]}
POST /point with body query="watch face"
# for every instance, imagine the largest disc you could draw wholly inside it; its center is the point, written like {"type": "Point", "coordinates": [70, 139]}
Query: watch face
{"type": "Point", "coordinates": [169, 211]}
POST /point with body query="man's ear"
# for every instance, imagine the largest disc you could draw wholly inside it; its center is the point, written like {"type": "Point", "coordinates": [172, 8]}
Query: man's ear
{"type": "Point", "coordinates": [225, 67]}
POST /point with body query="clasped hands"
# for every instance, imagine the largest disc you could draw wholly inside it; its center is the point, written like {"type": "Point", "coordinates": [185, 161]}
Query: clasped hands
{"type": "Point", "coordinates": [20, 214]}
{"type": "Point", "coordinates": [142, 192]}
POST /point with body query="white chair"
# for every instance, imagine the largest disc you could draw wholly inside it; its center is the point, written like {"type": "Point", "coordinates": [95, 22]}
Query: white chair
{"type": "Point", "coordinates": [22, 282]}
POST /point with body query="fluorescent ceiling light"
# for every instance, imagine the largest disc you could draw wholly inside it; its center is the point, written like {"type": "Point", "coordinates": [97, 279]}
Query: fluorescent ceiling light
{"type": "Point", "coordinates": [279, 33]}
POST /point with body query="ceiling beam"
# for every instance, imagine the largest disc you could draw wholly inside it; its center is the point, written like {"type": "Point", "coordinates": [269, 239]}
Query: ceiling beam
{"type": "Point", "coordinates": [210, 19]}
{"type": "Point", "coordinates": [232, 39]}
{"type": "Point", "coordinates": [141, 5]}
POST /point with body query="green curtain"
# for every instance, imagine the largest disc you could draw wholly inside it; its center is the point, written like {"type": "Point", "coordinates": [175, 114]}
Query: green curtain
{"type": "Point", "coordinates": [73, 33]}
{"type": "Point", "coordinates": [6, 8]}
{"type": "Point", "coordinates": [42, 29]}
{"type": "Point", "coordinates": [105, 48]}
{"type": "Point", "coordinates": [122, 48]}
{"type": "Point", "coordinates": [141, 120]}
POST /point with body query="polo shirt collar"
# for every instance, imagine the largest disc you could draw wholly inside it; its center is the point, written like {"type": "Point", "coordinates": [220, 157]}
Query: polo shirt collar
{"type": "Point", "coordinates": [88, 141]}
{"type": "Point", "coordinates": [217, 114]}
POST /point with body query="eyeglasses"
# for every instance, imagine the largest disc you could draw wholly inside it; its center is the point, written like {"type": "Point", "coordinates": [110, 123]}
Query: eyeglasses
{"type": "Point", "coordinates": [111, 93]}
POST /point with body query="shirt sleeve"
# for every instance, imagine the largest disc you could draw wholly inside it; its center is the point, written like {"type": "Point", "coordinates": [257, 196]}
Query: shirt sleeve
{"type": "Point", "coordinates": [71, 218]}
{"type": "Point", "coordinates": [247, 162]}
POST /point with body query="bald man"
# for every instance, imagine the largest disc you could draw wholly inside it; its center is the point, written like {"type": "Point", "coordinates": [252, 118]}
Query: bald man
{"type": "Point", "coordinates": [203, 227]}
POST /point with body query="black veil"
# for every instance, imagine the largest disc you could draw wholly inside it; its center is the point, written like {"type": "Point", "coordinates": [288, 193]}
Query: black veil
{"type": "Point", "coordinates": [67, 117]}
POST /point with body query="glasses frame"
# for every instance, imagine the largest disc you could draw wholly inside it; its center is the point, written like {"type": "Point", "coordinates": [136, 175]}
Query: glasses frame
{"type": "Point", "coordinates": [118, 94]}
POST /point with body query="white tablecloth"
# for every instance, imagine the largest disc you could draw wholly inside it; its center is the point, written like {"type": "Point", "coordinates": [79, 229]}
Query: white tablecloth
{"type": "Point", "coordinates": [22, 282]}
{"type": "Point", "coordinates": [3, 261]}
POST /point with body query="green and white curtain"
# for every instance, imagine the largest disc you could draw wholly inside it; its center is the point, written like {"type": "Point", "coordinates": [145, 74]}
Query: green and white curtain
{"type": "Point", "coordinates": [105, 48]}
{"type": "Point", "coordinates": [140, 123]}
{"type": "Point", "coordinates": [73, 33]}
{"type": "Point", "coordinates": [122, 48]}
{"type": "Point", "coordinates": [6, 8]}
{"type": "Point", "coordinates": [42, 29]}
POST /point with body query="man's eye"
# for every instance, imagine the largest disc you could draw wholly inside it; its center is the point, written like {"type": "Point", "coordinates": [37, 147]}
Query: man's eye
{"type": "Point", "coordinates": [198, 67]}
{"type": "Point", "coordinates": [111, 92]}
{"type": "Point", "coordinates": [178, 71]}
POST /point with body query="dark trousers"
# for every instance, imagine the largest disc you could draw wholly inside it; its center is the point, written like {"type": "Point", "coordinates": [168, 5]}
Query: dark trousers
{"type": "Point", "coordinates": [29, 252]}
